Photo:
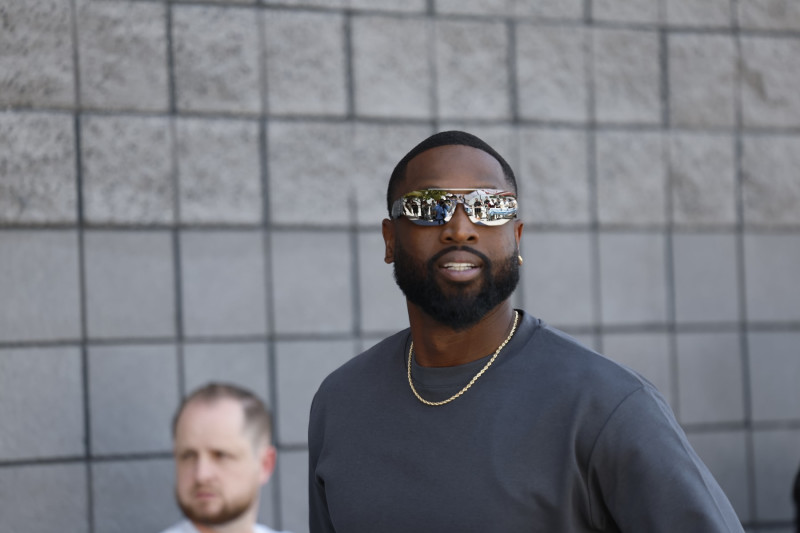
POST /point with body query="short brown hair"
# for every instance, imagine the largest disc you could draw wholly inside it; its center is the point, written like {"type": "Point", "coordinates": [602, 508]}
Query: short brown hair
{"type": "Point", "coordinates": [257, 417]}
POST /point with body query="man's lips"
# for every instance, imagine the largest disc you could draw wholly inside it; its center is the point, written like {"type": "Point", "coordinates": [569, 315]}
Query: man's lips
{"type": "Point", "coordinates": [459, 267]}
{"type": "Point", "coordinates": [204, 494]}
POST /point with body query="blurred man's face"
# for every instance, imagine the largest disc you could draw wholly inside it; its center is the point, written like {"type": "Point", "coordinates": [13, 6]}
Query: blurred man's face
{"type": "Point", "coordinates": [219, 469]}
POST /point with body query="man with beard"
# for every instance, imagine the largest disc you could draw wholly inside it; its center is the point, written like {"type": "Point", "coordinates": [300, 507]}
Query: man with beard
{"type": "Point", "coordinates": [223, 456]}
{"type": "Point", "coordinates": [480, 417]}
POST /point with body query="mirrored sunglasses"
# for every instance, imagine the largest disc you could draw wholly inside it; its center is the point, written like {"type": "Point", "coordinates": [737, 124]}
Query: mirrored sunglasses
{"type": "Point", "coordinates": [430, 207]}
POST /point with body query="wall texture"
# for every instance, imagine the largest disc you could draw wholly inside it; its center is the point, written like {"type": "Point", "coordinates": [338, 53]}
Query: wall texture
{"type": "Point", "coordinates": [194, 190]}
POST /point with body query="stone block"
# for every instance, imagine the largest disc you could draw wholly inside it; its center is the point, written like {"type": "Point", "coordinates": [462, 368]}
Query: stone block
{"type": "Point", "coordinates": [634, 11]}
{"type": "Point", "coordinates": [770, 74]}
{"type": "Point", "coordinates": [772, 291]}
{"type": "Point", "coordinates": [377, 148]}
{"type": "Point", "coordinates": [552, 176]}
{"type": "Point", "coordinates": [37, 33]}
{"type": "Point", "coordinates": [777, 454]}
{"type": "Point", "coordinates": [45, 497]}
{"type": "Point", "coordinates": [631, 178]}
{"type": "Point", "coordinates": [571, 9]}
{"type": "Point", "coordinates": [710, 378]}
{"type": "Point", "coordinates": [770, 181]}
{"type": "Point", "coordinates": [39, 283]}
{"type": "Point", "coordinates": [315, 293]}
{"type": "Point", "coordinates": [242, 363]}
{"type": "Point", "coordinates": [646, 353]}
{"type": "Point", "coordinates": [725, 455]}
{"type": "Point", "coordinates": [702, 179]}
{"type": "Point", "coordinates": [706, 277]}
{"type": "Point", "coordinates": [502, 137]}
{"type": "Point", "coordinates": [551, 73]}
{"type": "Point", "coordinates": [223, 283]}
{"type": "Point", "coordinates": [632, 278]}
{"type": "Point", "coordinates": [150, 483]}
{"type": "Point", "coordinates": [310, 168]}
{"type": "Point", "coordinates": [707, 13]}
{"type": "Point", "coordinates": [383, 306]}
{"type": "Point", "coordinates": [123, 55]}
{"type": "Point", "coordinates": [301, 366]}
{"type": "Point", "coordinates": [392, 71]}
{"type": "Point", "coordinates": [48, 422]}
{"type": "Point", "coordinates": [216, 53]}
{"type": "Point", "coordinates": [37, 175]}
{"type": "Point", "coordinates": [127, 170]}
{"type": "Point", "coordinates": [130, 288]}
{"type": "Point", "coordinates": [133, 392]}
{"type": "Point", "coordinates": [305, 63]}
{"type": "Point", "coordinates": [702, 80]}
{"type": "Point", "coordinates": [472, 70]}
{"type": "Point", "coordinates": [780, 15]}
{"type": "Point", "coordinates": [626, 76]}
{"type": "Point", "coordinates": [219, 172]}
{"type": "Point", "coordinates": [557, 280]}
{"type": "Point", "coordinates": [774, 374]}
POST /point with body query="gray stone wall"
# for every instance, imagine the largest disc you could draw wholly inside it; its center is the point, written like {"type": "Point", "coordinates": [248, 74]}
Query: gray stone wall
{"type": "Point", "coordinates": [193, 190]}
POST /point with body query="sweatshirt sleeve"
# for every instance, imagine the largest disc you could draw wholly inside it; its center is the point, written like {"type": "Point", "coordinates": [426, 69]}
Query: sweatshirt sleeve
{"type": "Point", "coordinates": [319, 518]}
{"type": "Point", "coordinates": [645, 476]}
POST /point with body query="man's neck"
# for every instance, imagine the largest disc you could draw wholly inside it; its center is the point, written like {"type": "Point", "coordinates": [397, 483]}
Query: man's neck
{"type": "Point", "coordinates": [438, 345]}
{"type": "Point", "coordinates": [245, 524]}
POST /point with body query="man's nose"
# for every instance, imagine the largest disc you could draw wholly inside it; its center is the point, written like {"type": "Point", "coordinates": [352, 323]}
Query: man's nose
{"type": "Point", "coordinates": [203, 469]}
{"type": "Point", "coordinates": [459, 228]}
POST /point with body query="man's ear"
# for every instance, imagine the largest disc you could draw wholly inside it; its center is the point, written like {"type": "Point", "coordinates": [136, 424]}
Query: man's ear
{"type": "Point", "coordinates": [387, 228]}
{"type": "Point", "coordinates": [268, 456]}
{"type": "Point", "coordinates": [518, 231]}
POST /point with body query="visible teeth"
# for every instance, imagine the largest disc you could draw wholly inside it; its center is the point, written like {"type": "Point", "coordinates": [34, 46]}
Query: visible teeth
{"type": "Point", "coordinates": [459, 266]}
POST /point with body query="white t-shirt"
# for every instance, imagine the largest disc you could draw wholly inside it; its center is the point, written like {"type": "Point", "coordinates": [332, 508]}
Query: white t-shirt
{"type": "Point", "coordinates": [188, 527]}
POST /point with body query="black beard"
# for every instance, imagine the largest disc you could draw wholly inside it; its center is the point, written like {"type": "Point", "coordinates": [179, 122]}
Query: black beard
{"type": "Point", "coordinates": [461, 309]}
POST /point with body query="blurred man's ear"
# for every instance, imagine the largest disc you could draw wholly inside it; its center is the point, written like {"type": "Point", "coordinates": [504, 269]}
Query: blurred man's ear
{"type": "Point", "coordinates": [268, 456]}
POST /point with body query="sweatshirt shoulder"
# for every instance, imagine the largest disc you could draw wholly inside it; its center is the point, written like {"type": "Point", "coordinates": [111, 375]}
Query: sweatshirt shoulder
{"type": "Point", "coordinates": [368, 363]}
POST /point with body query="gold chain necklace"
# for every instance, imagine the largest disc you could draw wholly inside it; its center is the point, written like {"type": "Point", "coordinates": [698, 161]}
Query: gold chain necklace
{"type": "Point", "coordinates": [473, 380]}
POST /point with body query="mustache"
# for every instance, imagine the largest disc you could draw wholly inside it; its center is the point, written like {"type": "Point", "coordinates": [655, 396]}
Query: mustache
{"type": "Point", "coordinates": [438, 255]}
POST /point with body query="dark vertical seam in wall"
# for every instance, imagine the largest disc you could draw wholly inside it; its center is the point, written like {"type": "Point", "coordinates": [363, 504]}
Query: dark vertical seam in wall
{"type": "Point", "coordinates": [669, 242]}
{"type": "Point", "coordinates": [87, 411]}
{"type": "Point", "coordinates": [350, 112]}
{"type": "Point", "coordinates": [355, 270]}
{"type": "Point", "coordinates": [173, 105]}
{"type": "Point", "coordinates": [513, 110]}
{"type": "Point", "coordinates": [266, 239]}
{"type": "Point", "coordinates": [175, 231]}
{"type": "Point", "coordinates": [263, 77]}
{"type": "Point", "coordinates": [587, 12]}
{"type": "Point", "coordinates": [511, 58]}
{"type": "Point", "coordinates": [433, 71]}
{"type": "Point", "coordinates": [741, 274]}
{"type": "Point", "coordinates": [269, 304]}
{"type": "Point", "coordinates": [591, 172]}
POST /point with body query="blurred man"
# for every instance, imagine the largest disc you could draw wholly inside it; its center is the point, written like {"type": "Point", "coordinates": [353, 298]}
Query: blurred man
{"type": "Point", "coordinates": [223, 456]}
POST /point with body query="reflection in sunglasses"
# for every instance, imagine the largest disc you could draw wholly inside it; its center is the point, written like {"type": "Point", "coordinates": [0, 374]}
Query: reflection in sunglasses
{"type": "Point", "coordinates": [429, 207]}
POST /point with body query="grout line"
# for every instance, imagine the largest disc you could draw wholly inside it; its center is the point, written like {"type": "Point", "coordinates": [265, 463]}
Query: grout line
{"type": "Point", "coordinates": [742, 285]}
{"type": "Point", "coordinates": [82, 292]}
{"type": "Point", "coordinates": [591, 174]}
{"type": "Point", "coordinates": [270, 311]}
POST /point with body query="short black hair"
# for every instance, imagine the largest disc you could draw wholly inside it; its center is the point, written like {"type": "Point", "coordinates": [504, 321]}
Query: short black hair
{"type": "Point", "coordinates": [446, 138]}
